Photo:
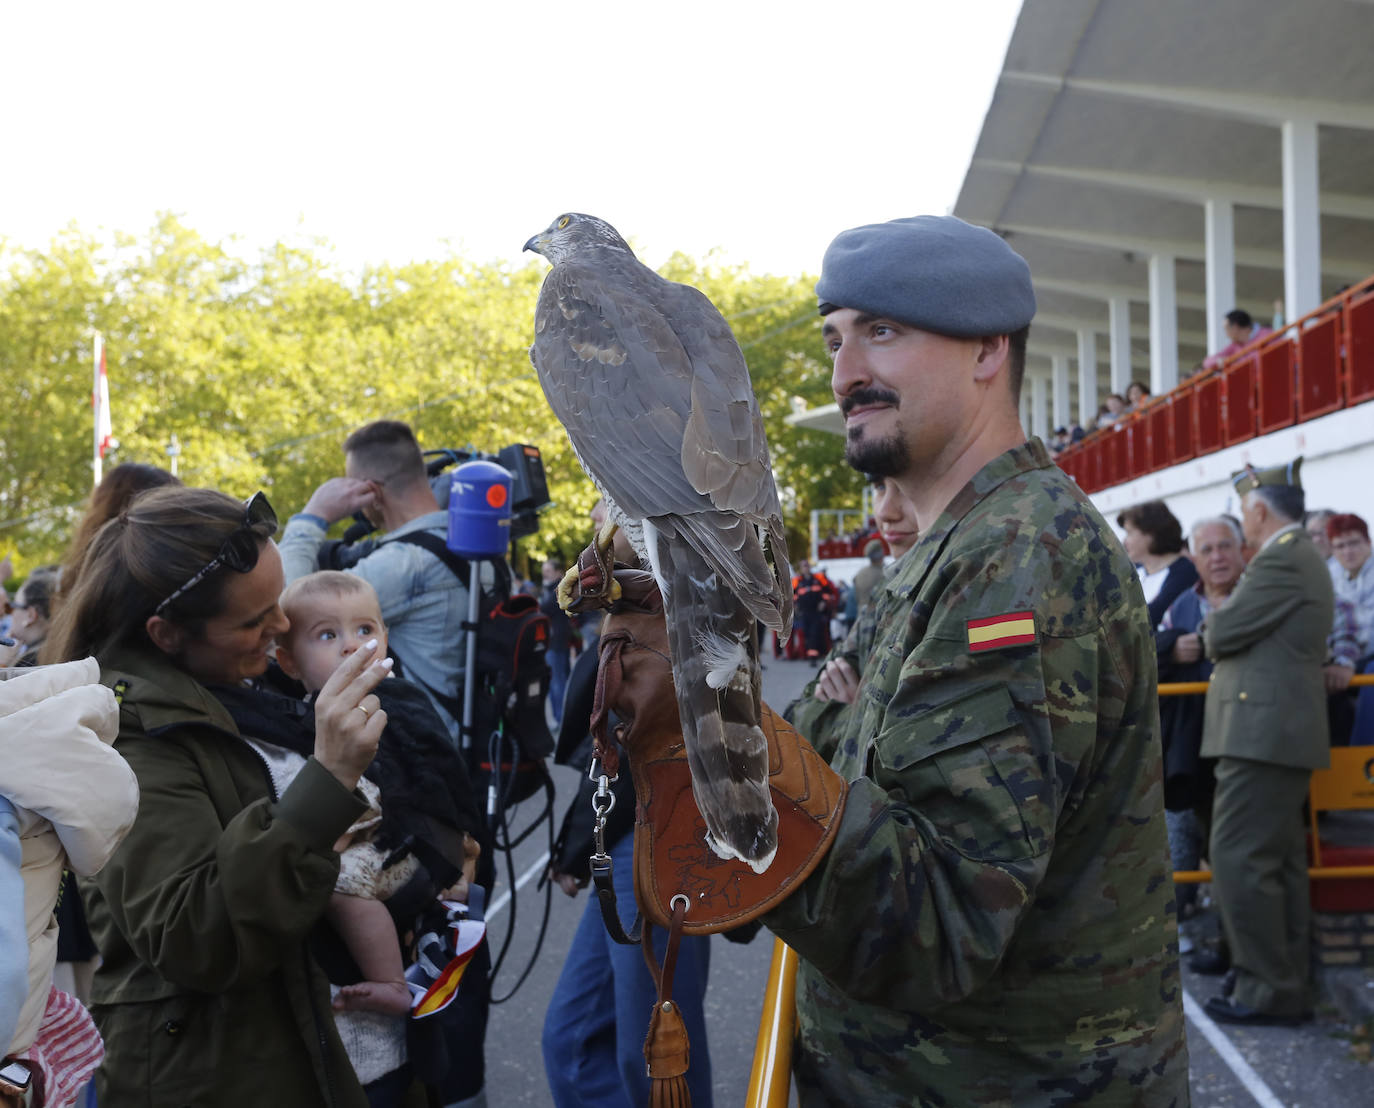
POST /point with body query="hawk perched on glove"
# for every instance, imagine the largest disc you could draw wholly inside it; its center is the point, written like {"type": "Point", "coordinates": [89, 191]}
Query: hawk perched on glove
{"type": "Point", "coordinates": [654, 392]}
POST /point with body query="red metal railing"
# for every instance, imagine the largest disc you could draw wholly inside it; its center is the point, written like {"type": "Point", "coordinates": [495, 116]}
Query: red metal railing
{"type": "Point", "coordinates": [1315, 365]}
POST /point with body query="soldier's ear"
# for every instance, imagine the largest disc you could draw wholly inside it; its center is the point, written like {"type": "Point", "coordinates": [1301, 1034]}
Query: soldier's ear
{"type": "Point", "coordinates": [991, 356]}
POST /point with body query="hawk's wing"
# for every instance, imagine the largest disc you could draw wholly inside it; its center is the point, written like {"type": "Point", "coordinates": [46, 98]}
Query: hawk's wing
{"type": "Point", "coordinates": [662, 413]}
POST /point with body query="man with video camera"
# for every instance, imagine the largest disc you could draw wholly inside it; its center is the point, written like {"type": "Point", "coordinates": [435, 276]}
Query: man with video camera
{"type": "Point", "coordinates": [422, 600]}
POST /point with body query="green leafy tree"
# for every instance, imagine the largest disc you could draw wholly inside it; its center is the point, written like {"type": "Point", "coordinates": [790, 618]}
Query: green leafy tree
{"type": "Point", "coordinates": [261, 368]}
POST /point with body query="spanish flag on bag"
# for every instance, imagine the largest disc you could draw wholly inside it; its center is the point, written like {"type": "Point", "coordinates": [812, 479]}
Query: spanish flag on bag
{"type": "Point", "coordinates": [442, 957]}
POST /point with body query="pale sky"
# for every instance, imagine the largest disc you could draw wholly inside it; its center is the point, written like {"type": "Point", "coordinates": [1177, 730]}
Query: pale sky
{"type": "Point", "coordinates": [757, 127]}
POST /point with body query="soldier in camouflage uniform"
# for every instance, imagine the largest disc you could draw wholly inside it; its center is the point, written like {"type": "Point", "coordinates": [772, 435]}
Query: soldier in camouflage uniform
{"type": "Point", "coordinates": [822, 711]}
{"type": "Point", "coordinates": [994, 922]}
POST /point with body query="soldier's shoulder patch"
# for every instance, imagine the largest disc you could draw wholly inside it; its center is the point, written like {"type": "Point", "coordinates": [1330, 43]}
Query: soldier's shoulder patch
{"type": "Point", "coordinates": [994, 632]}
{"type": "Point", "coordinates": [1286, 538]}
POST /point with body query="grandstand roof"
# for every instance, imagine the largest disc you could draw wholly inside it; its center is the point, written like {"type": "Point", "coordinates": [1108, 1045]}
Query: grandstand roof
{"type": "Point", "coordinates": [1113, 122]}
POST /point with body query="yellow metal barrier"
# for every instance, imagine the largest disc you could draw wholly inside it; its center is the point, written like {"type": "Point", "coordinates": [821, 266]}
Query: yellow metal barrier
{"type": "Point", "coordinates": [770, 1081]}
{"type": "Point", "coordinates": [1321, 791]}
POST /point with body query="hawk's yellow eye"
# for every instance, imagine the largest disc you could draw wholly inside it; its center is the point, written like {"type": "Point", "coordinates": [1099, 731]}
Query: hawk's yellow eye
{"type": "Point", "coordinates": [563, 222]}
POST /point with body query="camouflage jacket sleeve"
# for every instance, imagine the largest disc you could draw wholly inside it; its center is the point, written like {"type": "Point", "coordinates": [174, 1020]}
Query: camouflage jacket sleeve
{"type": "Point", "coordinates": [824, 721]}
{"type": "Point", "coordinates": [976, 759]}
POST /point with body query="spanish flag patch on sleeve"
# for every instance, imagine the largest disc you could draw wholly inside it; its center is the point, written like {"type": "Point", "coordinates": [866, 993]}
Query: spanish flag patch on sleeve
{"type": "Point", "coordinates": [995, 632]}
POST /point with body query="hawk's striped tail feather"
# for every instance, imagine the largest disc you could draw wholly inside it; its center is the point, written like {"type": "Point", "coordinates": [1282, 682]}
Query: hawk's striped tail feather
{"type": "Point", "coordinates": [716, 674]}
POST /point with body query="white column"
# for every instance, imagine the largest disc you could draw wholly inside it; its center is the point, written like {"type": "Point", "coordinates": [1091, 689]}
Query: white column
{"type": "Point", "coordinates": [1119, 323]}
{"type": "Point", "coordinates": [1163, 324]}
{"type": "Point", "coordinates": [1059, 368]}
{"type": "Point", "coordinates": [1221, 270]}
{"type": "Point", "coordinates": [1040, 412]}
{"type": "Point", "coordinates": [1087, 380]}
{"type": "Point", "coordinates": [1302, 233]}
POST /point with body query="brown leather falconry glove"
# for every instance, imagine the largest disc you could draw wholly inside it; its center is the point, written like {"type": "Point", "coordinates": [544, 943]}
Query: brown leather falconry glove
{"type": "Point", "coordinates": [672, 859]}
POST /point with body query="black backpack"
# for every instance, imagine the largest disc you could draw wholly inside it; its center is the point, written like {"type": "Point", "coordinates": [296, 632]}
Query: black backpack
{"type": "Point", "coordinates": [510, 738]}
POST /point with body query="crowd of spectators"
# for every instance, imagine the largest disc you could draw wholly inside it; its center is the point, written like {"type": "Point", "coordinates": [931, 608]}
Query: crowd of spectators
{"type": "Point", "coordinates": [1287, 651]}
{"type": "Point", "coordinates": [255, 762]}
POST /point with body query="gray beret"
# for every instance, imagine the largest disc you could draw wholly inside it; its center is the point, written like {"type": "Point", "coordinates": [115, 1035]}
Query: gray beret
{"type": "Point", "coordinates": [935, 272]}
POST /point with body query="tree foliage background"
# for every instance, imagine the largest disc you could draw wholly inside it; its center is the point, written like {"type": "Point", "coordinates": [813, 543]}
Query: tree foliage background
{"type": "Point", "coordinates": [262, 366]}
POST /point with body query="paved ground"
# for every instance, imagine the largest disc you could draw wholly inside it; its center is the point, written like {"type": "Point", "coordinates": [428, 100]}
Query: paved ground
{"type": "Point", "coordinates": [1311, 1067]}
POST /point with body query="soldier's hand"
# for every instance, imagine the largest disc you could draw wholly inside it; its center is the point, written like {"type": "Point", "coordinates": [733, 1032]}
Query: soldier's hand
{"type": "Point", "coordinates": [1337, 677]}
{"type": "Point", "coordinates": [838, 682]}
{"type": "Point", "coordinates": [1187, 649]}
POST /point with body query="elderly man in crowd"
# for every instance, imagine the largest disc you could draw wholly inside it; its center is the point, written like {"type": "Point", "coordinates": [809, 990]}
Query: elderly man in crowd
{"type": "Point", "coordinates": [1354, 584]}
{"type": "Point", "coordinates": [1265, 724]}
{"type": "Point", "coordinates": [1216, 545]}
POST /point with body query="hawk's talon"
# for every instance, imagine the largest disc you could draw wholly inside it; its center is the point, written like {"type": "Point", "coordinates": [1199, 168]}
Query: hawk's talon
{"type": "Point", "coordinates": [566, 600]}
{"type": "Point", "coordinates": [592, 583]}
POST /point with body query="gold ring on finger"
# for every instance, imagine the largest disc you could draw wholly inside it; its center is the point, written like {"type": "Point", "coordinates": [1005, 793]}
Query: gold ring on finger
{"type": "Point", "coordinates": [360, 708]}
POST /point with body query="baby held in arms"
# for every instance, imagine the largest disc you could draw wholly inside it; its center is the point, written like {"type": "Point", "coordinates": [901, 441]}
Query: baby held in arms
{"type": "Point", "coordinates": [333, 614]}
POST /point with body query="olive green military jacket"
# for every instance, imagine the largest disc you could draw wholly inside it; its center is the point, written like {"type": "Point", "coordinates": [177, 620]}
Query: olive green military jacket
{"type": "Point", "coordinates": [994, 923]}
{"type": "Point", "coordinates": [207, 993]}
{"type": "Point", "coordinates": [1267, 700]}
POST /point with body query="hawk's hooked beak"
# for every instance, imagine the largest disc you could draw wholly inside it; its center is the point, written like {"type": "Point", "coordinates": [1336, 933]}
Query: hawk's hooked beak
{"type": "Point", "coordinates": [537, 243]}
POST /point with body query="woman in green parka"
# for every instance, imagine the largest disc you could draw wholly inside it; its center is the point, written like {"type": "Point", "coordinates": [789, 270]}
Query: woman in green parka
{"type": "Point", "coordinates": [207, 994]}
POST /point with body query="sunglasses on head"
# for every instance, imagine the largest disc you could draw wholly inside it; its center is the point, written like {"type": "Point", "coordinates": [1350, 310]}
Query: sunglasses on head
{"type": "Point", "coordinates": [240, 549]}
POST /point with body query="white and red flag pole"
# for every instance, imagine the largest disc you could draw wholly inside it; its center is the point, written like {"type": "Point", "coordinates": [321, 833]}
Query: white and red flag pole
{"type": "Point", "coordinates": [100, 402]}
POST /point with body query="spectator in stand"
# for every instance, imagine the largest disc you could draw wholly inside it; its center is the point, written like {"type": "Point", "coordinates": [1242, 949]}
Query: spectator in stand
{"type": "Point", "coordinates": [1137, 393]}
{"type": "Point", "coordinates": [1349, 536]}
{"type": "Point", "coordinates": [1154, 542]}
{"type": "Point", "coordinates": [559, 651]}
{"type": "Point", "coordinates": [32, 612]}
{"type": "Point", "coordinates": [811, 600]}
{"type": "Point", "coordinates": [1315, 523]}
{"type": "Point", "coordinates": [1216, 545]}
{"type": "Point", "coordinates": [1265, 723]}
{"type": "Point", "coordinates": [1060, 441]}
{"type": "Point", "coordinates": [1342, 663]}
{"type": "Point", "coordinates": [1242, 330]}
{"type": "Point", "coordinates": [1113, 408]}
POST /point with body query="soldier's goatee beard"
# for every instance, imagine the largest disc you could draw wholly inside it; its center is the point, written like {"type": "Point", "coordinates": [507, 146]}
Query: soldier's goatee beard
{"type": "Point", "coordinates": [879, 457]}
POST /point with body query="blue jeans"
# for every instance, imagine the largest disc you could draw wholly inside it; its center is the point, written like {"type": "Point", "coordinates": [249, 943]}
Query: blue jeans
{"type": "Point", "coordinates": [599, 1013]}
{"type": "Point", "coordinates": [1362, 734]}
{"type": "Point", "coordinates": [558, 680]}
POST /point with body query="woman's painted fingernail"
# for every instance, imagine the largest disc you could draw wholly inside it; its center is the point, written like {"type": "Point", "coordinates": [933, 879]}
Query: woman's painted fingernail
{"type": "Point", "coordinates": [371, 644]}
{"type": "Point", "coordinates": [387, 663]}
